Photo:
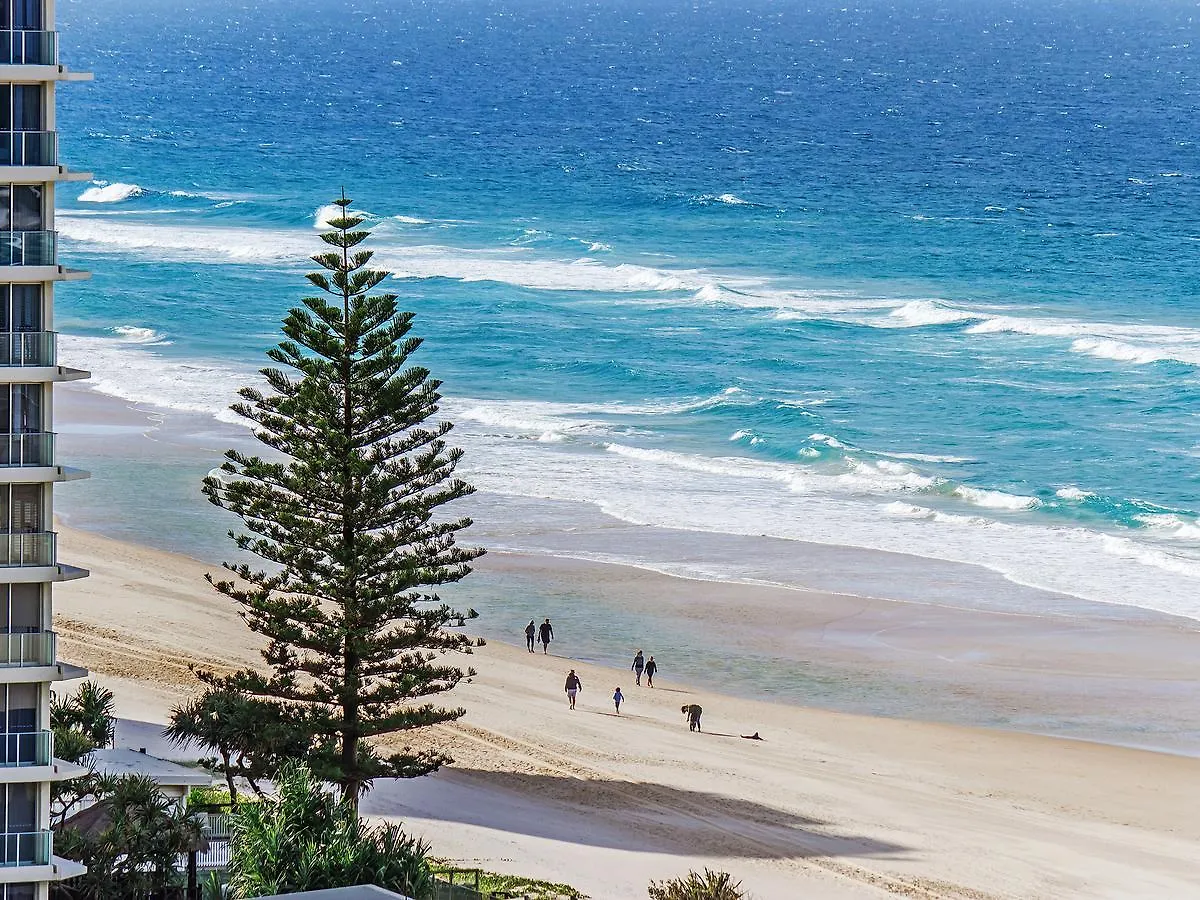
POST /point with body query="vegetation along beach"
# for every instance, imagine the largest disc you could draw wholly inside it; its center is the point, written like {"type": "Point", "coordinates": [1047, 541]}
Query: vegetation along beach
{"type": "Point", "coordinates": [839, 360]}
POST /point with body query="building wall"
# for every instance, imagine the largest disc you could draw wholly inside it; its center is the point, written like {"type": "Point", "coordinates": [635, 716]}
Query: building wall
{"type": "Point", "coordinates": [30, 470]}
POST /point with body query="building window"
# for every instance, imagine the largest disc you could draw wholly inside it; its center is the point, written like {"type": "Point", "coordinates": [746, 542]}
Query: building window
{"type": "Point", "coordinates": [21, 207]}
{"type": "Point", "coordinates": [21, 107]}
{"type": "Point", "coordinates": [21, 509]}
{"type": "Point", "coordinates": [21, 409]}
{"type": "Point", "coordinates": [20, 609]}
{"type": "Point", "coordinates": [18, 708]}
{"type": "Point", "coordinates": [20, 309]}
{"type": "Point", "coordinates": [21, 15]}
{"type": "Point", "coordinates": [24, 891]}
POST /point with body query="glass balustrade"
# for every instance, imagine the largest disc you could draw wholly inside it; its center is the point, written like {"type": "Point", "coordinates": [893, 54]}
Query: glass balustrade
{"type": "Point", "coordinates": [28, 348]}
{"type": "Point", "coordinates": [28, 48]}
{"type": "Point", "coordinates": [25, 848]}
{"type": "Point", "coordinates": [36, 548]}
{"type": "Point", "coordinates": [28, 748]}
{"type": "Point", "coordinates": [28, 148]}
{"type": "Point", "coordinates": [31, 648]}
{"type": "Point", "coordinates": [29, 449]}
{"type": "Point", "coordinates": [28, 248]}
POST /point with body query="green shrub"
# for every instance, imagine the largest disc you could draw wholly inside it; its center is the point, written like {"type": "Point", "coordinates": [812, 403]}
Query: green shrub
{"type": "Point", "coordinates": [709, 886]}
{"type": "Point", "coordinates": [208, 798]}
{"type": "Point", "coordinates": [304, 839]}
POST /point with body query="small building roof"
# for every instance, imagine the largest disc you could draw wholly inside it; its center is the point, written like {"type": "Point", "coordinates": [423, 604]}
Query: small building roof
{"type": "Point", "coordinates": [127, 761]}
{"type": "Point", "coordinates": [362, 892]}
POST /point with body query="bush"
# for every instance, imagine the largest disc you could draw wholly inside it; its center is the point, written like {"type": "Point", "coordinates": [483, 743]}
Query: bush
{"type": "Point", "coordinates": [306, 839]}
{"type": "Point", "coordinates": [709, 886]}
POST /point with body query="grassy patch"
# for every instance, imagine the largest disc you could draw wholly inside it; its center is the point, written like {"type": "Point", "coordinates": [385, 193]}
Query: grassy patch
{"type": "Point", "coordinates": [516, 885]}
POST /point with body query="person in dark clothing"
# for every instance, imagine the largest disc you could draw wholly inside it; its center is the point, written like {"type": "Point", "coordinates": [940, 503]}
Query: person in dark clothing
{"type": "Point", "coordinates": [651, 668]}
{"type": "Point", "coordinates": [692, 711]}
{"type": "Point", "coordinates": [530, 634]}
{"type": "Point", "coordinates": [546, 635]}
{"type": "Point", "coordinates": [639, 663]}
{"type": "Point", "coordinates": [574, 686]}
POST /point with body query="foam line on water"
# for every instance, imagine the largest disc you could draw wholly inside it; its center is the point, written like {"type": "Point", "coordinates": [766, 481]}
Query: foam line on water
{"type": "Point", "coordinates": [834, 501]}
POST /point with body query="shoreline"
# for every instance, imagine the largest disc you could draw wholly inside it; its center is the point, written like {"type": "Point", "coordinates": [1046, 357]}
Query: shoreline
{"type": "Point", "coordinates": [1024, 674]}
{"type": "Point", "coordinates": [845, 806]}
{"type": "Point", "coordinates": [87, 430]}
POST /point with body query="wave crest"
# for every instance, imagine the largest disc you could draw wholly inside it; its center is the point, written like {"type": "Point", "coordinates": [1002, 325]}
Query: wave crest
{"type": "Point", "coordinates": [103, 192]}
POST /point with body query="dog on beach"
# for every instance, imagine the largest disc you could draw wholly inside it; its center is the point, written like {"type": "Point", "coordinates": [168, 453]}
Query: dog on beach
{"type": "Point", "coordinates": [692, 711]}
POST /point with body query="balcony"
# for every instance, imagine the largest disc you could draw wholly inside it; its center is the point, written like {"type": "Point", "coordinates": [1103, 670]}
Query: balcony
{"type": "Point", "coordinates": [35, 548]}
{"type": "Point", "coordinates": [25, 848]}
{"type": "Point", "coordinates": [29, 348]}
{"type": "Point", "coordinates": [28, 48]}
{"type": "Point", "coordinates": [28, 248]}
{"type": "Point", "coordinates": [27, 748]}
{"type": "Point", "coordinates": [28, 148]}
{"type": "Point", "coordinates": [34, 448]}
{"type": "Point", "coordinates": [33, 648]}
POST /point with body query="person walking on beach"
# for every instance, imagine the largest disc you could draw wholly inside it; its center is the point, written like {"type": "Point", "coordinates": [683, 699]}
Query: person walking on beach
{"type": "Point", "coordinates": [574, 686]}
{"type": "Point", "coordinates": [546, 635]}
{"type": "Point", "coordinates": [530, 634]}
{"type": "Point", "coordinates": [651, 668]}
{"type": "Point", "coordinates": [639, 663]}
{"type": "Point", "coordinates": [617, 698]}
{"type": "Point", "coordinates": [692, 711]}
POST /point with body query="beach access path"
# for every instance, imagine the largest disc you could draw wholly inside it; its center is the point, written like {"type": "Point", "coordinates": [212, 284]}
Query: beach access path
{"type": "Point", "coordinates": [829, 805]}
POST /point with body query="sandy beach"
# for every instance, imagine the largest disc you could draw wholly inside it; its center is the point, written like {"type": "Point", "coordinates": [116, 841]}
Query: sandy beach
{"type": "Point", "coordinates": [829, 805]}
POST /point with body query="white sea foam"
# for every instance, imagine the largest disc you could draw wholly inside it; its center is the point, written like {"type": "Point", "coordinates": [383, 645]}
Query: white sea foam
{"type": "Point", "coordinates": [230, 244]}
{"type": "Point", "coordinates": [1073, 493]}
{"type": "Point", "coordinates": [994, 499]}
{"type": "Point", "coordinates": [724, 199]}
{"type": "Point", "coordinates": [917, 313]}
{"type": "Point", "coordinates": [135, 334]}
{"type": "Point", "coordinates": [132, 370]}
{"type": "Point", "coordinates": [1150, 556]}
{"type": "Point", "coordinates": [103, 192]}
{"type": "Point", "coordinates": [408, 220]}
{"type": "Point", "coordinates": [1139, 344]}
{"type": "Point", "coordinates": [830, 441]}
{"type": "Point", "coordinates": [925, 457]}
{"type": "Point", "coordinates": [1171, 525]}
{"type": "Point", "coordinates": [659, 487]}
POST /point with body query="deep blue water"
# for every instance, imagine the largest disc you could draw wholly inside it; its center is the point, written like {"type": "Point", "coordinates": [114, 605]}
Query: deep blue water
{"type": "Point", "coordinates": [912, 276]}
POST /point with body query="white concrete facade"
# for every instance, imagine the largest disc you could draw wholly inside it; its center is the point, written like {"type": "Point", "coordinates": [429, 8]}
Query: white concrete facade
{"type": "Point", "coordinates": [30, 169]}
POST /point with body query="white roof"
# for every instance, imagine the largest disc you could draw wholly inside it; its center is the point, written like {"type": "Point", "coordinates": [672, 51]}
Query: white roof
{"type": "Point", "coordinates": [127, 761]}
{"type": "Point", "coordinates": [364, 892]}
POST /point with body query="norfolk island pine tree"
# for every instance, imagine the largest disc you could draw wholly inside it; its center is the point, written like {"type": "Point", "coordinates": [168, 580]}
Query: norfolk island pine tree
{"type": "Point", "coordinates": [345, 514]}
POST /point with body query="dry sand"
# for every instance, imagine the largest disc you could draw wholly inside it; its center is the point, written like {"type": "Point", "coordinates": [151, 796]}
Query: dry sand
{"type": "Point", "coordinates": [829, 805]}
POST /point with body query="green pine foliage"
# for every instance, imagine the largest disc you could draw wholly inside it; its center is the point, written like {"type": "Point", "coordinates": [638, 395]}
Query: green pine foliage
{"type": "Point", "coordinates": [709, 886]}
{"type": "Point", "coordinates": [305, 839]}
{"type": "Point", "coordinates": [346, 512]}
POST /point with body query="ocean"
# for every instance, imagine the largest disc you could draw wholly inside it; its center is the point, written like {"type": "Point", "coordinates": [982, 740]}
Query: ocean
{"type": "Point", "coordinates": [704, 281]}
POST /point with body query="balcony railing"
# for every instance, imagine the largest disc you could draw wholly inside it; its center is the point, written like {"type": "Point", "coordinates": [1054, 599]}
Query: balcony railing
{"type": "Point", "coordinates": [33, 648]}
{"type": "Point", "coordinates": [29, 748]}
{"type": "Point", "coordinates": [28, 348]}
{"type": "Point", "coordinates": [28, 148]}
{"type": "Point", "coordinates": [36, 548]}
{"type": "Point", "coordinates": [28, 248]}
{"type": "Point", "coordinates": [34, 448]}
{"type": "Point", "coordinates": [28, 48]}
{"type": "Point", "coordinates": [25, 848]}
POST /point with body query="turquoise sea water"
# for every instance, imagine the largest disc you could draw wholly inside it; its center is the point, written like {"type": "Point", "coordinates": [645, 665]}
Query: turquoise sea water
{"type": "Point", "coordinates": [916, 276]}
